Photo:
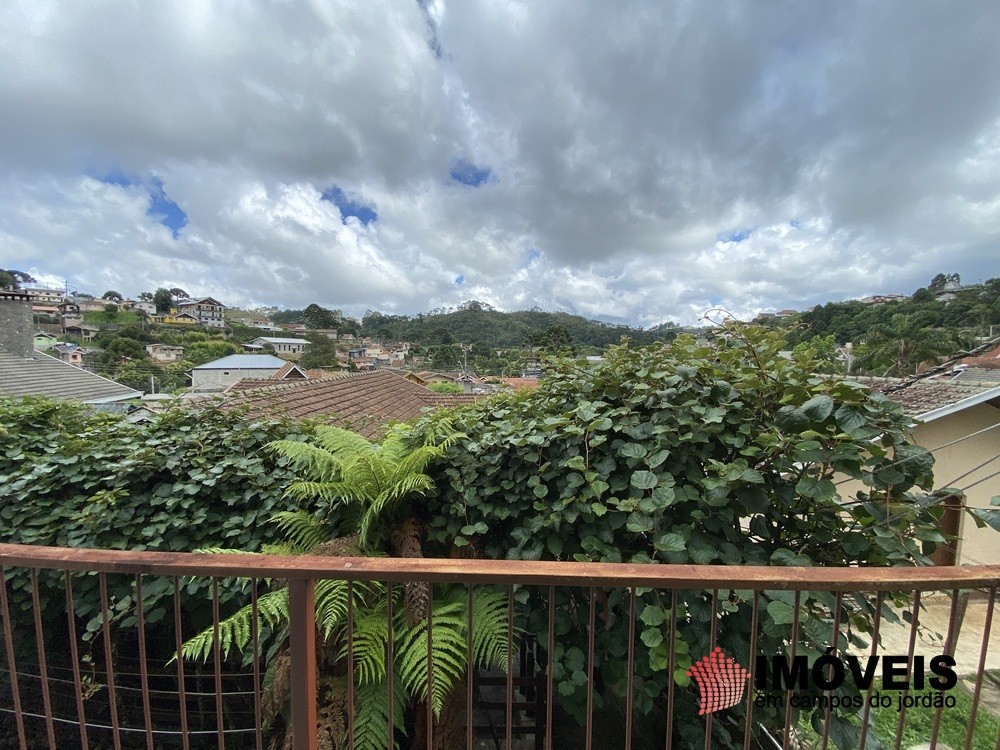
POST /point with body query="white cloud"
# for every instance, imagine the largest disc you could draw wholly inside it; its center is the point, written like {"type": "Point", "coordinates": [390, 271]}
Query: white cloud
{"type": "Point", "coordinates": [622, 144]}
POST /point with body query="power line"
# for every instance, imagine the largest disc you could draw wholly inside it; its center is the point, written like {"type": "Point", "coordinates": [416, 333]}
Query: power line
{"type": "Point", "coordinates": [929, 450]}
{"type": "Point", "coordinates": [172, 732]}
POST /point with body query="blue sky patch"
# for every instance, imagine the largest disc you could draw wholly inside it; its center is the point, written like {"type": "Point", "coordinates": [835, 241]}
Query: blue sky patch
{"type": "Point", "coordinates": [530, 256]}
{"type": "Point", "coordinates": [459, 280]}
{"type": "Point", "coordinates": [168, 213]}
{"type": "Point", "coordinates": [469, 174]}
{"type": "Point", "coordinates": [737, 235]}
{"type": "Point", "coordinates": [348, 207]}
{"type": "Point", "coordinates": [161, 208]}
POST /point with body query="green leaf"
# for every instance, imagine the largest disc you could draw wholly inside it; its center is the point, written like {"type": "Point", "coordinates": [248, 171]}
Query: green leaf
{"type": "Point", "coordinates": [671, 542]}
{"type": "Point", "coordinates": [816, 488]}
{"type": "Point", "coordinates": [639, 523]}
{"type": "Point", "coordinates": [990, 516]}
{"type": "Point", "coordinates": [818, 408]}
{"type": "Point", "coordinates": [781, 613]}
{"type": "Point", "coordinates": [632, 450]}
{"type": "Point", "coordinates": [643, 480]}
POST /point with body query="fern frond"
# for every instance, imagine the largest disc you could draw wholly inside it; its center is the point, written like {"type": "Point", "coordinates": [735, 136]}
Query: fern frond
{"type": "Point", "coordinates": [309, 458]}
{"type": "Point", "coordinates": [219, 551]}
{"type": "Point", "coordinates": [301, 528]}
{"type": "Point", "coordinates": [371, 634]}
{"type": "Point", "coordinates": [489, 628]}
{"type": "Point", "coordinates": [448, 655]}
{"type": "Point", "coordinates": [341, 443]}
{"type": "Point", "coordinates": [236, 630]}
{"type": "Point", "coordinates": [333, 493]}
{"type": "Point", "coordinates": [331, 605]}
{"type": "Point", "coordinates": [280, 548]}
{"type": "Point", "coordinates": [371, 716]}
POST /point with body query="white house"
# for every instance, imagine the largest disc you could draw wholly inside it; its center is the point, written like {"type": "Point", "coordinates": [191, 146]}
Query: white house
{"type": "Point", "coordinates": [281, 346]}
{"type": "Point", "coordinates": [208, 311]}
{"type": "Point", "coordinates": [221, 373]}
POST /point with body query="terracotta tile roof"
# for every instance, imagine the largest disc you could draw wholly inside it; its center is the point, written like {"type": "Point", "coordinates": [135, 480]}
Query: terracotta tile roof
{"type": "Point", "coordinates": [928, 395]}
{"type": "Point", "coordinates": [989, 359]}
{"type": "Point", "coordinates": [364, 402]}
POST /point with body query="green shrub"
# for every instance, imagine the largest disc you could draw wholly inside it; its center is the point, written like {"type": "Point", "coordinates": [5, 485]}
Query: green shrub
{"type": "Point", "coordinates": [705, 452]}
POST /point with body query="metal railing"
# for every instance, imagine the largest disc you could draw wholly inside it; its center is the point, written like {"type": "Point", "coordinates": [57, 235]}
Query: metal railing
{"type": "Point", "coordinates": [724, 589]}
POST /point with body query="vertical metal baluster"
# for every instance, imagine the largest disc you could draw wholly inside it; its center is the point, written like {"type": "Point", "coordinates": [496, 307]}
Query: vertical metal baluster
{"type": "Point", "coordinates": [430, 666]}
{"type": "Point", "coordinates": [390, 669]}
{"type": "Point", "coordinates": [752, 659]}
{"type": "Point", "coordinates": [630, 667]}
{"type": "Point", "coordinates": [147, 715]}
{"type": "Point", "coordinates": [592, 626]}
{"type": "Point", "coordinates": [178, 642]}
{"type": "Point", "coordinates": [220, 725]}
{"type": "Point", "coordinates": [835, 642]}
{"type": "Point", "coordinates": [509, 712]}
{"type": "Point", "coordinates": [75, 658]}
{"type": "Point", "coordinates": [109, 662]}
{"type": "Point", "coordinates": [901, 722]}
{"type": "Point", "coordinates": [550, 646]}
{"type": "Point", "coordinates": [977, 692]}
{"type": "Point", "coordinates": [671, 666]}
{"type": "Point", "coordinates": [302, 639]}
{"type": "Point", "coordinates": [470, 665]}
{"type": "Point", "coordinates": [713, 638]}
{"type": "Point", "coordinates": [11, 663]}
{"type": "Point", "coordinates": [43, 669]}
{"type": "Point", "coordinates": [949, 649]}
{"type": "Point", "coordinates": [866, 711]}
{"type": "Point", "coordinates": [786, 734]}
{"type": "Point", "coordinates": [350, 664]}
{"type": "Point", "coordinates": [255, 635]}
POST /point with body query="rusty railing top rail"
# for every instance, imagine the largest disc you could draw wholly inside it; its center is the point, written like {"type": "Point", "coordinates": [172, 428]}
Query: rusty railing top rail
{"type": "Point", "coordinates": [659, 576]}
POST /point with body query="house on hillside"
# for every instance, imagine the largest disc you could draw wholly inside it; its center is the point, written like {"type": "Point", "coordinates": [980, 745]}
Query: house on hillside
{"type": "Point", "coordinates": [224, 372]}
{"type": "Point", "coordinates": [69, 353]}
{"type": "Point", "coordinates": [44, 341]}
{"type": "Point", "coordinates": [84, 331]}
{"type": "Point", "coordinates": [173, 318]}
{"type": "Point", "coordinates": [165, 353]}
{"type": "Point", "coordinates": [960, 424]}
{"type": "Point", "coordinates": [207, 311]}
{"type": "Point", "coordinates": [280, 345]}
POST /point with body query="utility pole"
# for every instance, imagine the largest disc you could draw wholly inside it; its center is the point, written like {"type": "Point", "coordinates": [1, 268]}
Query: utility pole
{"type": "Point", "coordinates": [465, 355]}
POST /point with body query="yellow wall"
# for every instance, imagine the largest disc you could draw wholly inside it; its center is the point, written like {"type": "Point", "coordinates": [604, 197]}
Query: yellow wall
{"type": "Point", "coordinates": [977, 546]}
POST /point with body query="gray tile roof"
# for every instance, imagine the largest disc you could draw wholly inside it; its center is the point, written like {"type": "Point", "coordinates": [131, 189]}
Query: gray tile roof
{"type": "Point", "coordinates": [244, 362]}
{"type": "Point", "coordinates": [42, 375]}
{"type": "Point", "coordinates": [930, 395]}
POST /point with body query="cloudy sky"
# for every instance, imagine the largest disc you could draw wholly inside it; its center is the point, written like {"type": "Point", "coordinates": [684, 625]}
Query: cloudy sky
{"type": "Point", "coordinates": [639, 162]}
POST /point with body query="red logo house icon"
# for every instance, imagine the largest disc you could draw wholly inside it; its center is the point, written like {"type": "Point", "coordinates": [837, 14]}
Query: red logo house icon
{"type": "Point", "coordinates": [721, 682]}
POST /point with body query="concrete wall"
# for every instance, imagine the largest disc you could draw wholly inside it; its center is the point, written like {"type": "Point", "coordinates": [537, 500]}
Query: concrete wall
{"type": "Point", "coordinates": [977, 546]}
{"type": "Point", "coordinates": [17, 333]}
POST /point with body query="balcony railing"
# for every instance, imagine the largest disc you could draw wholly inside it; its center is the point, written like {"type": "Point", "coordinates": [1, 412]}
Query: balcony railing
{"type": "Point", "coordinates": [65, 698]}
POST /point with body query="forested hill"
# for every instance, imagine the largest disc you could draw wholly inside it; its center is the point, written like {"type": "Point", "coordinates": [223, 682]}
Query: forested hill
{"type": "Point", "coordinates": [479, 324]}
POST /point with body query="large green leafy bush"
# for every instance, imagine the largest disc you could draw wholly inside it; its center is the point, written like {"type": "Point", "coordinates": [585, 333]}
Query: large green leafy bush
{"type": "Point", "coordinates": [184, 480]}
{"type": "Point", "coordinates": [714, 451]}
